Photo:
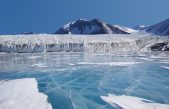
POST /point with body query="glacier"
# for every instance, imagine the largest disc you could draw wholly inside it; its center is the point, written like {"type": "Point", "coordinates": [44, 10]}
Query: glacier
{"type": "Point", "coordinates": [78, 71]}
{"type": "Point", "coordinates": [22, 94]}
{"type": "Point", "coordinates": [82, 43]}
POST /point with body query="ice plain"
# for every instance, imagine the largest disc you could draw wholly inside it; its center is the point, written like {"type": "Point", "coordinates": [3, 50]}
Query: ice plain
{"type": "Point", "coordinates": [78, 80]}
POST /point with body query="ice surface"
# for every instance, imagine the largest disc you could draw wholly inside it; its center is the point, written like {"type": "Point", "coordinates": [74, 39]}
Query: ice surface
{"type": "Point", "coordinates": [80, 43]}
{"type": "Point", "coordinates": [130, 102]}
{"type": "Point", "coordinates": [22, 94]}
{"type": "Point", "coordinates": [77, 80]}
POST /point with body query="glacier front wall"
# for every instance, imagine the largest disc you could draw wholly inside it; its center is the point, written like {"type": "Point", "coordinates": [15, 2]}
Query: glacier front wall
{"type": "Point", "coordinates": [82, 43]}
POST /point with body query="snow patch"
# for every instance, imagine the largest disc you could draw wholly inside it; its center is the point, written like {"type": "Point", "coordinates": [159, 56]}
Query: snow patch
{"type": "Point", "coordinates": [39, 65]}
{"type": "Point", "coordinates": [128, 30]}
{"type": "Point", "coordinates": [71, 64]}
{"type": "Point", "coordinates": [165, 62]}
{"type": "Point", "coordinates": [110, 63]}
{"type": "Point", "coordinates": [146, 59]}
{"type": "Point", "coordinates": [34, 57]}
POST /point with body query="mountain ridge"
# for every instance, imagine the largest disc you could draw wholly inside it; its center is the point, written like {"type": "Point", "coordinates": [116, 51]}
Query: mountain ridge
{"type": "Point", "coordinates": [161, 28]}
{"type": "Point", "coordinates": [94, 26]}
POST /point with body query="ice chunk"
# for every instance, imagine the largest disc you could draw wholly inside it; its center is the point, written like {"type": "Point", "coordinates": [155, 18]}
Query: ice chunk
{"type": "Point", "coordinates": [129, 102]}
{"type": "Point", "coordinates": [166, 67]}
{"type": "Point", "coordinates": [22, 94]}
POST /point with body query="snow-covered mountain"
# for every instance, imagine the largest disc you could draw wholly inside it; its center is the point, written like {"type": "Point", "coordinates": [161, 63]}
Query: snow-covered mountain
{"type": "Point", "coordinates": [161, 28]}
{"type": "Point", "coordinates": [94, 26]}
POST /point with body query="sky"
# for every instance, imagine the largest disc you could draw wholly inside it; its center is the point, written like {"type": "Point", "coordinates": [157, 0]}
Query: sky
{"type": "Point", "coordinates": [45, 16]}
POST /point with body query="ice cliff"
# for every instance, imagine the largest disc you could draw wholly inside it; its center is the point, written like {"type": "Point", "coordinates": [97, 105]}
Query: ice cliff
{"type": "Point", "coordinates": [82, 43]}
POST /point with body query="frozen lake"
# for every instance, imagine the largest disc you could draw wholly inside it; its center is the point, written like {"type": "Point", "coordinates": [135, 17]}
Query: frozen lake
{"type": "Point", "coordinates": [83, 80]}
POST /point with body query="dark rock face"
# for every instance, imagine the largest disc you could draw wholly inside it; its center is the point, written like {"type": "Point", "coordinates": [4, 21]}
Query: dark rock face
{"type": "Point", "coordinates": [160, 47]}
{"type": "Point", "coordinates": [161, 28]}
{"type": "Point", "coordinates": [94, 26]}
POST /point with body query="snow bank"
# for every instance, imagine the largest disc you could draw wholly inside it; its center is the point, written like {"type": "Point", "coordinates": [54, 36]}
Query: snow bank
{"type": "Point", "coordinates": [129, 102]}
{"type": "Point", "coordinates": [82, 43]}
{"type": "Point", "coordinates": [22, 94]}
